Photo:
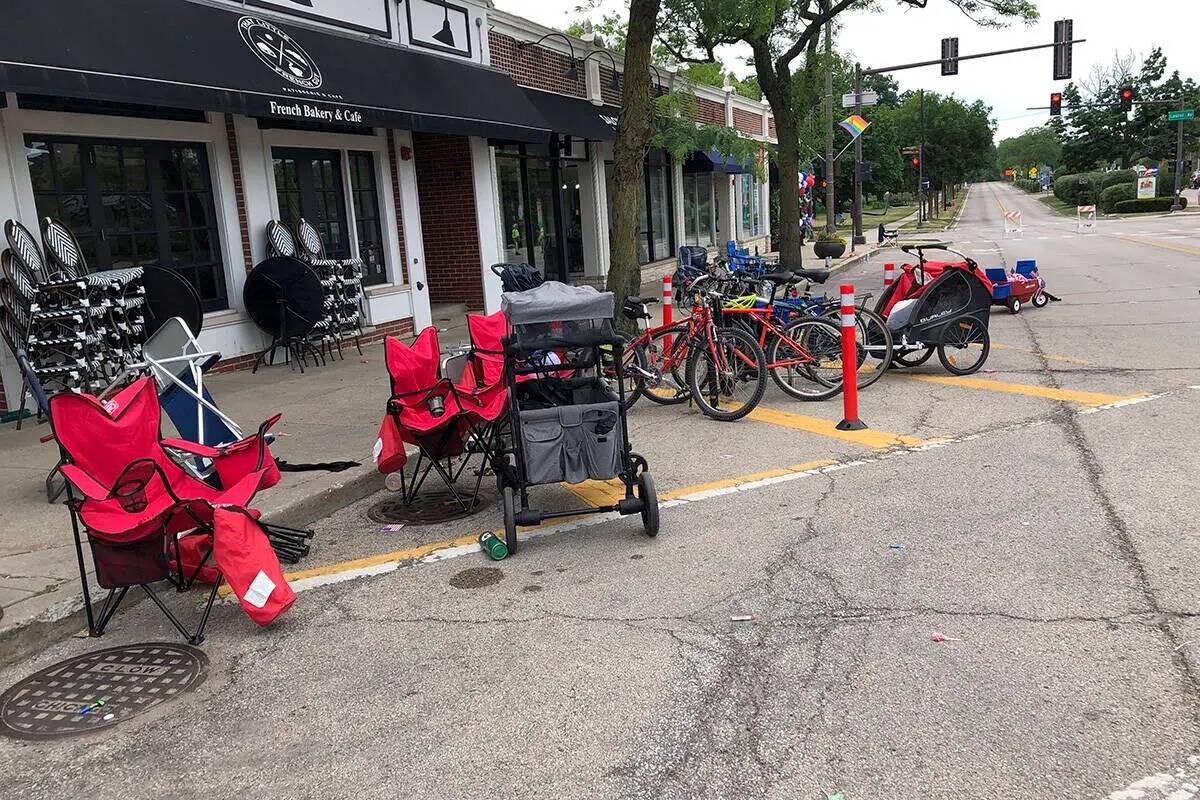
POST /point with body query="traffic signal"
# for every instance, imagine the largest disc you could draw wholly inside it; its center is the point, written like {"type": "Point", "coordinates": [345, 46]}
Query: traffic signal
{"type": "Point", "coordinates": [950, 56]}
{"type": "Point", "coordinates": [1063, 34]}
{"type": "Point", "coordinates": [1056, 104]}
{"type": "Point", "coordinates": [1126, 98]}
{"type": "Point", "coordinates": [916, 161]}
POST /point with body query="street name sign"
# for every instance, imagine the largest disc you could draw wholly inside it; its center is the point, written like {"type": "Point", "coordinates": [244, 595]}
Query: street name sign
{"type": "Point", "coordinates": [868, 99]}
{"type": "Point", "coordinates": [1182, 115]}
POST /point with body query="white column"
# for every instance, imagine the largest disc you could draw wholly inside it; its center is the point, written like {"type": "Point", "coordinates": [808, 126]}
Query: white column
{"type": "Point", "coordinates": [765, 191]}
{"type": "Point", "coordinates": [603, 253]}
{"type": "Point", "coordinates": [724, 186]}
{"type": "Point", "coordinates": [12, 165]}
{"type": "Point", "coordinates": [592, 81]}
{"type": "Point", "coordinates": [487, 205]}
{"type": "Point", "coordinates": [258, 182]}
{"type": "Point", "coordinates": [414, 246]}
{"type": "Point", "coordinates": [591, 208]}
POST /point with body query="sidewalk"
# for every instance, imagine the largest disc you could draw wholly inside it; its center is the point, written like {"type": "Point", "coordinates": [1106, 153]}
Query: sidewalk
{"type": "Point", "coordinates": [330, 413]}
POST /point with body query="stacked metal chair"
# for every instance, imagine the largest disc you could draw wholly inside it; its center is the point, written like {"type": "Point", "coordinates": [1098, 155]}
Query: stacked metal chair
{"type": "Point", "coordinates": [121, 293]}
{"type": "Point", "coordinates": [342, 279]}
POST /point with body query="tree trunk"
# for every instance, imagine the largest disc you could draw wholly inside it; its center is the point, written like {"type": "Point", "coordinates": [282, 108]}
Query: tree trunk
{"type": "Point", "coordinates": [629, 153]}
{"type": "Point", "coordinates": [777, 88]}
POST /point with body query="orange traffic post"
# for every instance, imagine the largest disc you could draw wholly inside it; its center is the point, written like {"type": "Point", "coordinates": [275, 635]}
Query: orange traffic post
{"type": "Point", "coordinates": [850, 420]}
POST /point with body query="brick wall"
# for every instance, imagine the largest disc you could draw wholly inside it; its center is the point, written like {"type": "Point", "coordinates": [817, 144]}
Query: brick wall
{"type": "Point", "coordinates": [747, 121]}
{"type": "Point", "coordinates": [239, 194]}
{"type": "Point", "coordinates": [536, 67]}
{"type": "Point", "coordinates": [446, 191]}
{"type": "Point", "coordinates": [710, 112]}
{"type": "Point", "coordinates": [397, 327]}
{"type": "Point", "coordinates": [609, 93]}
{"type": "Point", "coordinates": [393, 153]}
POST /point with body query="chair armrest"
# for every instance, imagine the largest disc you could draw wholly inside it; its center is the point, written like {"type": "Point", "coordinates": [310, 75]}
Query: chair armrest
{"type": "Point", "coordinates": [91, 488]}
{"type": "Point", "coordinates": [191, 447]}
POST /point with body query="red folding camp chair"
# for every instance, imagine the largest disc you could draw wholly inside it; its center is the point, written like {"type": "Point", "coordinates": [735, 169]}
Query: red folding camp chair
{"type": "Point", "coordinates": [137, 505]}
{"type": "Point", "coordinates": [426, 410]}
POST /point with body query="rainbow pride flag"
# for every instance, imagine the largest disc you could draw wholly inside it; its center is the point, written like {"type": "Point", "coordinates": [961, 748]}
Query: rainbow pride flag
{"type": "Point", "coordinates": [854, 125]}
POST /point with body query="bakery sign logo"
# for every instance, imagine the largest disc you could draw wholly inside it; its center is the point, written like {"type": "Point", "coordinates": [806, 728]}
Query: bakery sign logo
{"type": "Point", "coordinates": [280, 52]}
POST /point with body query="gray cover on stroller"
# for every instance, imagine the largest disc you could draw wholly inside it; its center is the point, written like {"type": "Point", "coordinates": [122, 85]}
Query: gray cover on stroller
{"type": "Point", "coordinates": [556, 302]}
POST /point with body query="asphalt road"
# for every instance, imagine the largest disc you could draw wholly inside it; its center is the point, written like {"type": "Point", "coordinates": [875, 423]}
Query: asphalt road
{"type": "Point", "coordinates": [1038, 520]}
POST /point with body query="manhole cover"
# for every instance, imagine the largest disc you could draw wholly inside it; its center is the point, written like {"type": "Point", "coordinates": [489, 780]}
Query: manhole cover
{"type": "Point", "coordinates": [428, 508]}
{"type": "Point", "coordinates": [476, 578]}
{"type": "Point", "coordinates": [99, 689]}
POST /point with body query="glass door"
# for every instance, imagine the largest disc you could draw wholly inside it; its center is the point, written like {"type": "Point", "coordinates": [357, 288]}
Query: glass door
{"type": "Point", "coordinates": [133, 203]}
{"type": "Point", "coordinates": [512, 211]}
{"type": "Point", "coordinates": [572, 217]}
{"type": "Point", "coordinates": [308, 184]}
{"type": "Point", "coordinates": [543, 217]}
{"type": "Point", "coordinates": [698, 209]}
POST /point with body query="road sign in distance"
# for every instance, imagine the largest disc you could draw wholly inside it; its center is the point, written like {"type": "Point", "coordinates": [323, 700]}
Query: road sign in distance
{"type": "Point", "coordinates": [1182, 115]}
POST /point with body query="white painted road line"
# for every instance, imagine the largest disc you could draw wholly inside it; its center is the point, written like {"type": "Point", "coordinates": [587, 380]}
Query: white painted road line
{"type": "Point", "coordinates": [1179, 784]}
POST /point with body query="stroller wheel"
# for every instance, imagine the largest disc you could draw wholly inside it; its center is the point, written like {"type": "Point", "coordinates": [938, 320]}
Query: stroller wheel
{"type": "Point", "coordinates": [649, 497]}
{"type": "Point", "coordinates": [911, 358]}
{"type": "Point", "coordinates": [1040, 300]}
{"type": "Point", "coordinates": [965, 345]}
{"type": "Point", "coordinates": [510, 519]}
{"type": "Point", "coordinates": [1014, 305]}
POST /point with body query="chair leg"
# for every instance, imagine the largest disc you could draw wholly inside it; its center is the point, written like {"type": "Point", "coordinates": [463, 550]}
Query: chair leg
{"type": "Point", "coordinates": [108, 609]}
{"type": "Point", "coordinates": [87, 594]}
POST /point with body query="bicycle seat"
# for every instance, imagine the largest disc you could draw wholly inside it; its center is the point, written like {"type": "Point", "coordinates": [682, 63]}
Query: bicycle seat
{"type": "Point", "coordinates": [778, 277]}
{"type": "Point", "coordinates": [814, 275]}
{"type": "Point", "coordinates": [641, 301]}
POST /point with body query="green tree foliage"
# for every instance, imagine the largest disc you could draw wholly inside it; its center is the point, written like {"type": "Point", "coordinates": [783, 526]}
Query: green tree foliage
{"type": "Point", "coordinates": [1037, 147]}
{"type": "Point", "coordinates": [779, 32]}
{"type": "Point", "coordinates": [1098, 133]}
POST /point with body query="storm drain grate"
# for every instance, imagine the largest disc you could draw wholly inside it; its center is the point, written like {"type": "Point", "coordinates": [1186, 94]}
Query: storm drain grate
{"type": "Point", "coordinates": [100, 689]}
{"type": "Point", "coordinates": [429, 507]}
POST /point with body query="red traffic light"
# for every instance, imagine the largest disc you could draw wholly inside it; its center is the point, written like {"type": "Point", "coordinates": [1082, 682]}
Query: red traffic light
{"type": "Point", "coordinates": [1127, 94]}
{"type": "Point", "coordinates": [916, 161]}
{"type": "Point", "coordinates": [1056, 104]}
{"type": "Point", "coordinates": [1126, 98]}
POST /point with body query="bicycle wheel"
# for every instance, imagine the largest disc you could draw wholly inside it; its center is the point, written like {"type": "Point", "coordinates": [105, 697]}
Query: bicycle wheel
{"type": "Point", "coordinates": [968, 338]}
{"type": "Point", "coordinates": [874, 342]}
{"type": "Point", "coordinates": [727, 379]}
{"type": "Point", "coordinates": [667, 381]}
{"type": "Point", "coordinates": [633, 368]}
{"type": "Point", "coordinates": [806, 362]}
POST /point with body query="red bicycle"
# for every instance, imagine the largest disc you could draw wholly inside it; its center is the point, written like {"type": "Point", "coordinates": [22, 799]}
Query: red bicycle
{"type": "Point", "coordinates": [723, 369]}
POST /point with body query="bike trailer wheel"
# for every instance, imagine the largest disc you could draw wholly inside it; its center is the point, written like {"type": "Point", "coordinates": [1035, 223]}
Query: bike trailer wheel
{"type": "Point", "coordinates": [964, 345]}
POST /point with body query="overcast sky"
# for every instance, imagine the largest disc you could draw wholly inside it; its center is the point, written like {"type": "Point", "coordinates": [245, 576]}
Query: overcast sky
{"type": "Point", "coordinates": [1009, 84]}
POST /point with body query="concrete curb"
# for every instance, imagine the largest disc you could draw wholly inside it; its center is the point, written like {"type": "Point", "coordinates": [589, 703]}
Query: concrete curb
{"type": "Point", "coordinates": [66, 617]}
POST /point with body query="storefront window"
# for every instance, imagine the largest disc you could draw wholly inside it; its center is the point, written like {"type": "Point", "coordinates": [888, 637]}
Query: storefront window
{"type": "Point", "coordinates": [750, 202]}
{"type": "Point", "coordinates": [512, 211]}
{"type": "Point", "coordinates": [132, 203]}
{"type": "Point", "coordinates": [698, 209]}
{"type": "Point", "coordinates": [367, 221]}
{"type": "Point", "coordinates": [656, 234]}
{"type": "Point", "coordinates": [540, 209]}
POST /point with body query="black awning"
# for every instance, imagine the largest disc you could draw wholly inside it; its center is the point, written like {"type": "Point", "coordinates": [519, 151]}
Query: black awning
{"type": "Point", "coordinates": [189, 55]}
{"type": "Point", "coordinates": [576, 117]}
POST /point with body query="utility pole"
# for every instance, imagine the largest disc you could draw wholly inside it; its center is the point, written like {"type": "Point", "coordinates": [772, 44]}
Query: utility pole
{"type": "Point", "coordinates": [921, 168]}
{"type": "Point", "coordinates": [829, 162]}
{"type": "Point", "coordinates": [858, 237]}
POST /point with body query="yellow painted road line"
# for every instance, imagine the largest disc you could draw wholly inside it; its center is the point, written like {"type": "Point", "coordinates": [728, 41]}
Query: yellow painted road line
{"type": "Point", "coordinates": [1047, 356]}
{"type": "Point", "coordinates": [1029, 390]}
{"type": "Point", "coordinates": [598, 493]}
{"type": "Point", "coordinates": [823, 427]}
{"type": "Point", "coordinates": [1164, 245]}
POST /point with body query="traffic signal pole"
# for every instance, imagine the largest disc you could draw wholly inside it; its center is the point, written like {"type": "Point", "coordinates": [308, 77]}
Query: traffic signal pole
{"type": "Point", "coordinates": [1178, 206]}
{"type": "Point", "coordinates": [859, 73]}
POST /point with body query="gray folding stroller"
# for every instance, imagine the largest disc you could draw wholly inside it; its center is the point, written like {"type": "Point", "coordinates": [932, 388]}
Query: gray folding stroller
{"type": "Point", "coordinates": [567, 425]}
